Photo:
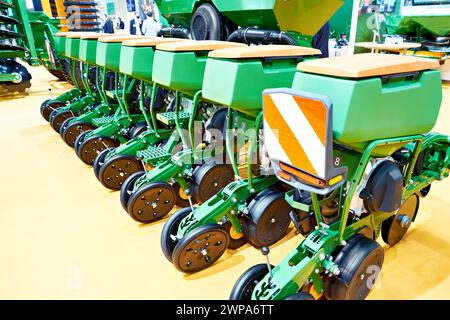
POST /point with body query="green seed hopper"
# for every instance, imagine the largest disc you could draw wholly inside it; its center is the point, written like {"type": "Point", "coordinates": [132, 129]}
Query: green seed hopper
{"type": "Point", "coordinates": [109, 50]}
{"type": "Point", "coordinates": [180, 67]}
{"type": "Point", "coordinates": [236, 78]}
{"type": "Point", "coordinates": [393, 104]}
{"type": "Point", "coordinates": [174, 61]}
{"type": "Point", "coordinates": [113, 167]}
{"type": "Point", "coordinates": [238, 68]}
{"type": "Point", "coordinates": [136, 57]}
{"type": "Point", "coordinates": [349, 195]}
{"type": "Point", "coordinates": [79, 99]}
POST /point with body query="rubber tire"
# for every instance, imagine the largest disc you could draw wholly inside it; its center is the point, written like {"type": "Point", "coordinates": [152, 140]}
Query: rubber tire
{"type": "Point", "coordinates": [126, 187]}
{"type": "Point", "coordinates": [170, 227]}
{"type": "Point", "coordinates": [105, 165]}
{"type": "Point", "coordinates": [99, 160]}
{"type": "Point", "coordinates": [252, 223]}
{"type": "Point", "coordinates": [45, 108]}
{"type": "Point", "coordinates": [79, 140]}
{"type": "Point", "coordinates": [350, 259]}
{"type": "Point", "coordinates": [211, 21]}
{"type": "Point", "coordinates": [111, 143]}
{"type": "Point", "coordinates": [64, 126]}
{"type": "Point", "coordinates": [207, 170]}
{"type": "Point", "coordinates": [179, 248]}
{"type": "Point", "coordinates": [137, 129]}
{"type": "Point", "coordinates": [250, 277]}
{"type": "Point", "coordinates": [57, 73]}
{"type": "Point", "coordinates": [138, 194]}
{"type": "Point", "coordinates": [64, 135]}
{"type": "Point", "coordinates": [57, 119]}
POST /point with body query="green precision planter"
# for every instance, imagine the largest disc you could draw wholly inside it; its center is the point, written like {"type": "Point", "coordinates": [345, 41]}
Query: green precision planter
{"type": "Point", "coordinates": [88, 50]}
{"type": "Point", "coordinates": [72, 48]}
{"type": "Point", "coordinates": [108, 55]}
{"type": "Point", "coordinates": [242, 81]}
{"type": "Point", "coordinates": [137, 62]}
{"type": "Point", "coordinates": [179, 71]}
{"type": "Point", "coordinates": [367, 109]}
{"type": "Point", "coordinates": [60, 45]}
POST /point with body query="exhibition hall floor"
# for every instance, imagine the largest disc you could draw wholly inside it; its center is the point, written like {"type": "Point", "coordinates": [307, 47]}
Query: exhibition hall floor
{"type": "Point", "coordinates": [64, 236]}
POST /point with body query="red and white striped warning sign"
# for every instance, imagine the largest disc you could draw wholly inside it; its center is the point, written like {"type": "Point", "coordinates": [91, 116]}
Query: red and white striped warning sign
{"type": "Point", "coordinates": [295, 132]}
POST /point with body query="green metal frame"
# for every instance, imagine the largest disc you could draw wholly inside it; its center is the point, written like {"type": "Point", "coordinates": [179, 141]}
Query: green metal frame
{"type": "Point", "coordinates": [312, 257]}
{"type": "Point", "coordinates": [180, 166]}
{"type": "Point", "coordinates": [231, 202]}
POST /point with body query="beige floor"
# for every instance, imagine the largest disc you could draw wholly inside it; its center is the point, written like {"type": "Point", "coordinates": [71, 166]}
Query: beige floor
{"type": "Point", "coordinates": [63, 236]}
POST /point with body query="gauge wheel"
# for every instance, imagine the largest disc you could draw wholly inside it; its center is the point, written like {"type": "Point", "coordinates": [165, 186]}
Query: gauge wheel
{"type": "Point", "coordinates": [360, 263]}
{"type": "Point", "coordinates": [127, 189]}
{"type": "Point", "coordinates": [72, 131]}
{"type": "Point", "coordinates": [91, 147]}
{"type": "Point", "coordinates": [114, 171]}
{"type": "Point", "coordinates": [245, 285]}
{"type": "Point", "coordinates": [151, 202]}
{"type": "Point", "coordinates": [169, 231]}
{"type": "Point", "coordinates": [201, 248]}
{"type": "Point", "coordinates": [48, 106]}
{"type": "Point", "coordinates": [100, 160]}
{"type": "Point", "coordinates": [57, 118]}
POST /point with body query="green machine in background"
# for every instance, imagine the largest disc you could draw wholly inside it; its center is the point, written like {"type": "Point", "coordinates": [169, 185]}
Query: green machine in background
{"type": "Point", "coordinates": [25, 35]}
{"type": "Point", "coordinates": [270, 21]}
{"type": "Point", "coordinates": [357, 173]}
{"type": "Point", "coordinates": [423, 21]}
{"type": "Point", "coordinates": [426, 21]}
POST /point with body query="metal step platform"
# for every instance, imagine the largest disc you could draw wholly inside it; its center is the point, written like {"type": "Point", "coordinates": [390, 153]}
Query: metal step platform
{"type": "Point", "coordinates": [168, 118]}
{"type": "Point", "coordinates": [102, 120]}
{"type": "Point", "coordinates": [153, 154]}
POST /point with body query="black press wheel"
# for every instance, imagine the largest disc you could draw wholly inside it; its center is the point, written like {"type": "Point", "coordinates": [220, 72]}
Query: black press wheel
{"type": "Point", "coordinates": [200, 248]}
{"type": "Point", "coordinates": [100, 160]}
{"type": "Point", "coordinates": [117, 169]}
{"type": "Point", "coordinates": [137, 129]}
{"type": "Point", "coordinates": [244, 286]}
{"type": "Point", "coordinates": [394, 229]}
{"type": "Point", "coordinates": [206, 23]}
{"type": "Point", "coordinates": [71, 131]}
{"type": "Point", "coordinates": [57, 118]}
{"type": "Point", "coordinates": [151, 202]}
{"type": "Point", "coordinates": [209, 179]}
{"type": "Point", "coordinates": [268, 218]}
{"type": "Point", "coordinates": [127, 189]}
{"type": "Point", "coordinates": [92, 146]}
{"type": "Point", "coordinates": [48, 106]}
{"type": "Point", "coordinates": [64, 125]}
{"type": "Point", "coordinates": [360, 263]}
{"type": "Point", "coordinates": [79, 140]}
{"type": "Point", "coordinates": [169, 232]}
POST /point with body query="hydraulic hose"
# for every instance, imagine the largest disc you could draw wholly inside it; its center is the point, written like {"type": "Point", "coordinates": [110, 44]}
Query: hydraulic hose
{"type": "Point", "coordinates": [261, 36]}
{"type": "Point", "coordinates": [175, 32]}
